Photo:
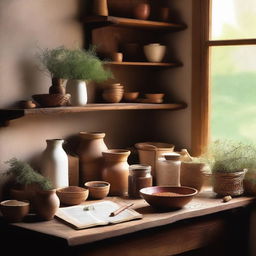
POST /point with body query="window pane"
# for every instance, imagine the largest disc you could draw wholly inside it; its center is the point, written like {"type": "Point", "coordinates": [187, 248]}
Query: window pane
{"type": "Point", "coordinates": [233, 19]}
{"type": "Point", "coordinates": [233, 88]}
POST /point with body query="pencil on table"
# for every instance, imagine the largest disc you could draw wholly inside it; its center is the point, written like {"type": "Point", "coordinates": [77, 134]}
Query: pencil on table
{"type": "Point", "coordinates": [120, 210]}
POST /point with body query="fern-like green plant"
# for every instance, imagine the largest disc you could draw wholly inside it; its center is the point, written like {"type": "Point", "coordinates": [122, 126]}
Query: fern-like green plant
{"type": "Point", "coordinates": [230, 156]}
{"type": "Point", "coordinates": [80, 64]}
{"type": "Point", "coordinates": [24, 174]}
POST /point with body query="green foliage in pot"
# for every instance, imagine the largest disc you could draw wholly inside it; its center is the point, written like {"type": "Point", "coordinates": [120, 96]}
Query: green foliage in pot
{"type": "Point", "coordinates": [80, 64]}
{"type": "Point", "coordinates": [24, 174]}
{"type": "Point", "coordinates": [228, 156]}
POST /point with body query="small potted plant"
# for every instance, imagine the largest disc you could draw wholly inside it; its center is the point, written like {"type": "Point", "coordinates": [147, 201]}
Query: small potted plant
{"type": "Point", "coordinates": [78, 66]}
{"type": "Point", "coordinates": [32, 186]}
{"type": "Point", "coordinates": [229, 161]}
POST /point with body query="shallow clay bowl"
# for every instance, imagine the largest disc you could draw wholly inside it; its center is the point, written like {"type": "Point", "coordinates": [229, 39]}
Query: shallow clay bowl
{"type": "Point", "coordinates": [97, 189]}
{"type": "Point", "coordinates": [168, 198]}
{"type": "Point", "coordinates": [72, 195]}
{"type": "Point", "coordinates": [154, 96]}
{"type": "Point", "coordinates": [14, 210]}
{"type": "Point", "coordinates": [131, 96]}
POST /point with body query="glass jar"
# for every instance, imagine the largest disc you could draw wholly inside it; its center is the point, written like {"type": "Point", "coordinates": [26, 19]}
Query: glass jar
{"type": "Point", "coordinates": [139, 177]}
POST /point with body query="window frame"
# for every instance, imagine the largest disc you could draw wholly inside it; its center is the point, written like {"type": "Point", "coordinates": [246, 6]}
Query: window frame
{"type": "Point", "coordinates": [201, 98]}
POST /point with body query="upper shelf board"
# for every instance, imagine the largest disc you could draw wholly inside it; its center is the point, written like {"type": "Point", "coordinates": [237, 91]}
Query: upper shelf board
{"type": "Point", "coordinates": [150, 64]}
{"type": "Point", "coordinates": [10, 114]}
{"type": "Point", "coordinates": [101, 21]}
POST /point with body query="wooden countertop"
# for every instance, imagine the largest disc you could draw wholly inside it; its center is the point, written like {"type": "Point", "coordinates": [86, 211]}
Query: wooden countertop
{"type": "Point", "coordinates": [204, 203]}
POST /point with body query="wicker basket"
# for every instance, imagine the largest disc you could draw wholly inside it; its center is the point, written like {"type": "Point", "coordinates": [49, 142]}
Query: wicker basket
{"type": "Point", "coordinates": [52, 100]}
{"type": "Point", "coordinates": [228, 183]}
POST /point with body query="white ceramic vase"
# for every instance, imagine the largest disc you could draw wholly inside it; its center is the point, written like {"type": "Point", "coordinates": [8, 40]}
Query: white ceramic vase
{"type": "Point", "coordinates": [154, 52]}
{"type": "Point", "coordinates": [78, 91]}
{"type": "Point", "coordinates": [54, 163]}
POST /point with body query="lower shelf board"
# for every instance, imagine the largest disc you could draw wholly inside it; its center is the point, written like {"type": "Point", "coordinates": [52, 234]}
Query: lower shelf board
{"type": "Point", "coordinates": [10, 114]}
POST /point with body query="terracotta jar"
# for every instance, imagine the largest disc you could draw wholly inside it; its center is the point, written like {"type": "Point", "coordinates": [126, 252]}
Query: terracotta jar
{"type": "Point", "coordinates": [116, 171]}
{"type": "Point", "coordinates": [141, 11]}
{"type": "Point", "coordinates": [46, 204]}
{"type": "Point", "coordinates": [90, 156]}
{"type": "Point", "coordinates": [100, 7]}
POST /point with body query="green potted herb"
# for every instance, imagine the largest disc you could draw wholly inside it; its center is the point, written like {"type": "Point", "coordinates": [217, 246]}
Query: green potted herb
{"type": "Point", "coordinates": [27, 180]}
{"type": "Point", "coordinates": [229, 161]}
{"type": "Point", "coordinates": [78, 66]}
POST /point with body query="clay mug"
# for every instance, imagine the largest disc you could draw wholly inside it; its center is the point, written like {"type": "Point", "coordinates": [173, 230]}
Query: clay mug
{"type": "Point", "coordinates": [117, 56]}
{"type": "Point", "coordinates": [100, 7]}
{"type": "Point", "coordinates": [141, 11]}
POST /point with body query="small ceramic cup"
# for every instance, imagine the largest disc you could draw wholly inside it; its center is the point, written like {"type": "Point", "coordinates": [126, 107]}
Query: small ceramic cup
{"type": "Point", "coordinates": [97, 189]}
{"type": "Point", "coordinates": [154, 52]}
{"type": "Point", "coordinates": [117, 56]}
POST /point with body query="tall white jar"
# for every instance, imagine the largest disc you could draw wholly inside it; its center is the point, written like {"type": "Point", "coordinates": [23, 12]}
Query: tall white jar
{"type": "Point", "coordinates": [168, 170]}
{"type": "Point", "coordinates": [78, 91]}
{"type": "Point", "coordinates": [54, 163]}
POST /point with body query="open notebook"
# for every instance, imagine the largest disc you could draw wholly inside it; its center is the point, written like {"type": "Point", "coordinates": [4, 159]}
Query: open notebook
{"type": "Point", "coordinates": [95, 214]}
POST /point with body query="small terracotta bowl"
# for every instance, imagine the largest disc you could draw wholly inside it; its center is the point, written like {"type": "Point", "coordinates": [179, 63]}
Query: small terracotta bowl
{"type": "Point", "coordinates": [130, 96]}
{"type": "Point", "coordinates": [14, 210]}
{"type": "Point", "coordinates": [154, 96]}
{"type": "Point", "coordinates": [97, 189]}
{"type": "Point", "coordinates": [168, 198]}
{"type": "Point", "coordinates": [72, 195]}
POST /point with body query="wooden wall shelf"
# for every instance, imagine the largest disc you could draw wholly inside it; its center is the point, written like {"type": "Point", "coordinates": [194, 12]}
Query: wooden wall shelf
{"type": "Point", "coordinates": [10, 114]}
{"type": "Point", "coordinates": [148, 64]}
{"type": "Point", "coordinates": [101, 21]}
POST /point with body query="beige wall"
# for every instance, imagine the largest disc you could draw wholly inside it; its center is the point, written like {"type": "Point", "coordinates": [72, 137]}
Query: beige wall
{"type": "Point", "coordinates": [25, 26]}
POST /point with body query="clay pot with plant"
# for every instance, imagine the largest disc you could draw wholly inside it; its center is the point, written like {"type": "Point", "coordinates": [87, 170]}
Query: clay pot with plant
{"type": "Point", "coordinates": [229, 162]}
{"type": "Point", "coordinates": [32, 186]}
{"type": "Point", "coordinates": [78, 66]}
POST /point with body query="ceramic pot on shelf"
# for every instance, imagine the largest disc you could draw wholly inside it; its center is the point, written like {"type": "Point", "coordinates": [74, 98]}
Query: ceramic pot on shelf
{"type": "Point", "coordinates": [46, 203]}
{"type": "Point", "coordinates": [90, 151]}
{"type": "Point", "coordinates": [141, 11]}
{"type": "Point", "coordinates": [154, 52]}
{"type": "Point", "coordinates": [78, 91]}
{"type": "Point", "coordinates": [100, 7]}
{"type": "Point", "coordinates": [57, 86]}
{"type": "Point", "coordinates": [116, 171]}
{"type": "Point", "coordinates": [54, 163]}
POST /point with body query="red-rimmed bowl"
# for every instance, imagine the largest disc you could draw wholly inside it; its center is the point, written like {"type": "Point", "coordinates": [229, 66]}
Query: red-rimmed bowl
{"type": "Point", "coordinates": [164, 197]}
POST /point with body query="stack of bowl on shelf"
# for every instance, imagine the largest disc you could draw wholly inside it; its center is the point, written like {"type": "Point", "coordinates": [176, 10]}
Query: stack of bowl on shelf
{"type": "Point", "coordinates": [113, 93]}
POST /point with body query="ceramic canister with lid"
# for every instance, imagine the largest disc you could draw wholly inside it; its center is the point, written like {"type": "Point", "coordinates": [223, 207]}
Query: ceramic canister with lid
{"type": "Point", "coordinates": [139, 177]}
{"type": "Point", "coordinates": [168, 170]}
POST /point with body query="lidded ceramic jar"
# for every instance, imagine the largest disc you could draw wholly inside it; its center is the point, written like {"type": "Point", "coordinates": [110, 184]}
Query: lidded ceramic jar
{"type": "Point", "coordinates": [116, 171]}
{"type": "Point", "coordinates": [168, 170]}
{"type": "Point", "coordinates": [90, 151]}
{"type": "Point", "coordinates": [54, 163]}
